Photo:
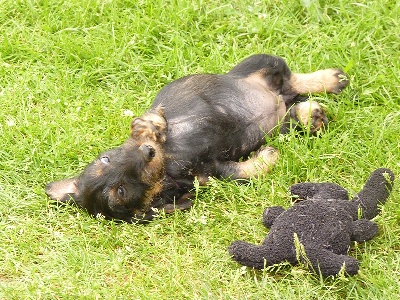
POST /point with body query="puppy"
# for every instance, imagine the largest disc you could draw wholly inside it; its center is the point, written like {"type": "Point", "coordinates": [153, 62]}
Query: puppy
{"type": "Point", "coordinates": [199, 126]}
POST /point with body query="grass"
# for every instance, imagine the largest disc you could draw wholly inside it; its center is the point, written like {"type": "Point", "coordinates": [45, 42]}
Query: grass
{"type": "Point", "coordinates": [69, 71]}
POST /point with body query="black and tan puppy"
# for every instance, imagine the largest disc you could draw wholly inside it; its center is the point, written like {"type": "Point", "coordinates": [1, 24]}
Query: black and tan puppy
{"type": "Point", "coordinates": [199, 126]}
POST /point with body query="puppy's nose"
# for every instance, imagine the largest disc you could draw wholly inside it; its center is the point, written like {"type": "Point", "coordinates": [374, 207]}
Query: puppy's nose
{"type": "Point", "coordinates": [148, 151]}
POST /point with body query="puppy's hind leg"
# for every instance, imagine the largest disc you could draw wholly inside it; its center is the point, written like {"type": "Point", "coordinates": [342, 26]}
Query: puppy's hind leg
{"type": "Point", "coordinates": [262, 161]}
{"type": "Point", "coordinates": [309, 114]}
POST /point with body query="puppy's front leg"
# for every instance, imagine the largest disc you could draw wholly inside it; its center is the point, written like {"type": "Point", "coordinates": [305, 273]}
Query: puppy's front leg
{"type": "Point", "coordinates": [262, 161]}
{"type": "Point", "coordinates": [329, 80]}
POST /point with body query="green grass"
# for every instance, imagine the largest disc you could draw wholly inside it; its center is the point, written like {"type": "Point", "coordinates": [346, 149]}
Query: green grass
{"type": "Point", "coordinates": [69, 70]}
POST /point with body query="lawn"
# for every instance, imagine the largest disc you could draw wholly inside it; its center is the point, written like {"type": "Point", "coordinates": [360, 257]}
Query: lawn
{"type": "Point", "coordinates": [72, 74]}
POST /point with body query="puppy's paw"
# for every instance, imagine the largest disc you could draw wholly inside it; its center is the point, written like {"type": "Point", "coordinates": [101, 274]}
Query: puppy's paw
{"type": "Point", "coordinates": [262, 161]}
{"type": "Point", "coordinates": [151, 125]}
{"type": "Point", "coordinates": [266, 156]}
{"type": "Point", "coordinates": [337, 82]}
{"type": "Point", "coordinates": [310, 114]}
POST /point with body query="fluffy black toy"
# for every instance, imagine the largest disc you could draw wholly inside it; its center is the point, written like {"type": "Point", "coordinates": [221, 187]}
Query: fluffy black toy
{"type": "Point", "coordinates": [318, 229]}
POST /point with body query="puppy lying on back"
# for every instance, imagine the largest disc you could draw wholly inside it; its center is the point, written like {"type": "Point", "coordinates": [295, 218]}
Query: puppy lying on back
{"type": "Point", "coordinates": [199, 126]}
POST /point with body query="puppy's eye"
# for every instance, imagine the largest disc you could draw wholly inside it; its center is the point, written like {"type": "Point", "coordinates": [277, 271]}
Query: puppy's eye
{"type": "Point", "coordinates": [121, 191]}
{"type": "Point", "coordinates": [105, 159]}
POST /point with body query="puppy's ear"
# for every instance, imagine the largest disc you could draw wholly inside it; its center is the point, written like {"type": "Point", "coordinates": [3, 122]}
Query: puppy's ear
{"type": "Point", "coordinates": [64, 190]}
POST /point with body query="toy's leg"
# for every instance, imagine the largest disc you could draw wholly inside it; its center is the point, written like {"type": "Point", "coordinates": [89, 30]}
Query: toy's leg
{"type": "Point", "coordinates": [270, 214]}
{"type": "Point", "coordinates": [253, 256]}
{"type": "Point", "coordinates": [375, 192]}
{"type": "Point", "coordinates": [363, 230]}
{"type": "Point", "coordinates": [328, 263]}
{"type": "Point", "coordinates": [323, 190]}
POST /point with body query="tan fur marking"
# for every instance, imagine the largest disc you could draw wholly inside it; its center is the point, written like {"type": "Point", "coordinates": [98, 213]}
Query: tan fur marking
{"type": "Point", "coordinates": [99, 170]}
{"type": "Point", "coordinates": [257, 79]}
{"type": "Point", "coordinates": [202, 179]}
{"type": "Point", "coordinates": [148, 198]}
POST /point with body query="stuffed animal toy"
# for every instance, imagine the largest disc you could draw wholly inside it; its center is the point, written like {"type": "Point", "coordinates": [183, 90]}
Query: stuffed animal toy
{"type": "Point", "coordinates": [318, 229]}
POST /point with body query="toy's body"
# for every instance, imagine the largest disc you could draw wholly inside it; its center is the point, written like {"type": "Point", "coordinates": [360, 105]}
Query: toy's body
{"type": "Point", "coordinates": [317, 231]}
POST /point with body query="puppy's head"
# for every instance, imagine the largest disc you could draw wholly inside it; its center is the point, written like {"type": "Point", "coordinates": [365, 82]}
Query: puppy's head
{"type": "Point", "coordinates": [122, 182]}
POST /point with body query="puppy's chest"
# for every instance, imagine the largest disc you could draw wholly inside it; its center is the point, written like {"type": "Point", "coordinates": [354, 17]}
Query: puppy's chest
{"type": "Point", "coordinates": [265, 109]}
{"type": "Point", "coordinates": [259, 94]}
